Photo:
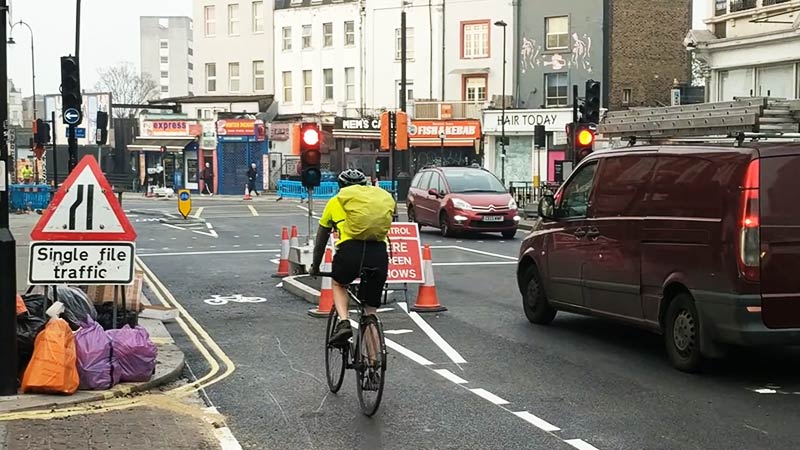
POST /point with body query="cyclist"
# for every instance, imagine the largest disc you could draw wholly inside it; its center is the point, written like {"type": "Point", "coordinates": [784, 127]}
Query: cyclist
{"type": "Point", "coordinates": [362, 215]}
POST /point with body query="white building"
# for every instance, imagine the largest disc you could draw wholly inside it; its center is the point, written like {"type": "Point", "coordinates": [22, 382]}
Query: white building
{"type": "Point", "coordinates": [233, 47]}
{"type": "Point", "coordinates": [750, 48]}
{"type": "Point", "coordinates": [166, 54]}
{"type": "Point", "coordinates": [14, 106]}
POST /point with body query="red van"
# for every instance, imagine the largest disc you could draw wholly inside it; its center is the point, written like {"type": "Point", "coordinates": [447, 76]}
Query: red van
{"type": "Point", "coordinates": [700, 244]}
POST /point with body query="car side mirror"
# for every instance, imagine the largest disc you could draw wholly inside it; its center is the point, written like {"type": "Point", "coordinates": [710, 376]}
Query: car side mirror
{"type": "Point", "coordinates": [547, 207]}
{"type": "Point", "coordinates": [433, 192]}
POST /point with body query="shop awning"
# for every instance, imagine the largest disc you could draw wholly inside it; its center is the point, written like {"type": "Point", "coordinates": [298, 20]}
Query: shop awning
{"type": "Point", "coordinates": [155, 144]}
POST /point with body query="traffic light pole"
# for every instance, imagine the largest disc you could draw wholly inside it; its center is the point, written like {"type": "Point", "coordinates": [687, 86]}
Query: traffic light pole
{"type": "Point", "coordinates": [8, 246]}
{"type": "Point", "coordinates": [72, 144]}
{"type": "Point", "coordinates": [55, 149]}
{"type": "Point", "coordinates": [310, 214]}
{"type": "Point", "coordinates": [574, 131]}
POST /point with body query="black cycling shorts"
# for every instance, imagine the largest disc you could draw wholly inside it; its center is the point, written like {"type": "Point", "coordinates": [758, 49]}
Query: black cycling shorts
{"type": "Point", "coordinates": [351, 256]}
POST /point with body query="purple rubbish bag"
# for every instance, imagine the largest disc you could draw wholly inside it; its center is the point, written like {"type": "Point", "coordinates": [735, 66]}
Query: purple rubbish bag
{"type": "Point", "coordinates": [95, 356]}
{"type": "Point", "coordinates": [134, 353]}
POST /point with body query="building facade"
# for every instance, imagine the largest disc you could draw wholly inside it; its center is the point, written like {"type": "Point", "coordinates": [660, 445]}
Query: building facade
{"type": "Point", "coordinates": [15, 118]}
{"type": "Point", "coordinates": [749, 49]}
{"type": "Point", "coordinates": [167, 54]}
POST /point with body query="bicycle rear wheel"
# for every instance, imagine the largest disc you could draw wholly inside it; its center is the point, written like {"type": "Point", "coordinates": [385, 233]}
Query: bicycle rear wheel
{"type": "Point", "coordinates": [370, 372]}
{"type": "Point", "coordinates": [335, 357]}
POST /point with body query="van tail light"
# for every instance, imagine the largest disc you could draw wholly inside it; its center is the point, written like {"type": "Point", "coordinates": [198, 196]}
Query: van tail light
{"type": "Point", "coordinates": [749, 226]}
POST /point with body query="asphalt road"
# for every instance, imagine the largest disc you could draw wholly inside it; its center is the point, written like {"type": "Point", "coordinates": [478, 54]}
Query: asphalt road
{"type": "Point", "coordinates": [492, 380]}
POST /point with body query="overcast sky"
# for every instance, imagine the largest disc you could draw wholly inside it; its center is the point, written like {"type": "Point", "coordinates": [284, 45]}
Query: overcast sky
{"type": "Point", "coordinates": [109, 33]}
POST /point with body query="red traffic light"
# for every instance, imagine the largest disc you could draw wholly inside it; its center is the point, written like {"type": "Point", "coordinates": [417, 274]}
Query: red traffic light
{"type": "Point", "coordinates": [585, 137]}
{"type": "Point", "coordinates": [310, 135]}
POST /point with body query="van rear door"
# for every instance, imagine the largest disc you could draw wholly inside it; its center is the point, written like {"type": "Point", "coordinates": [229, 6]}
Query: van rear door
{"type": "Point", "coordinates": [779, 205]}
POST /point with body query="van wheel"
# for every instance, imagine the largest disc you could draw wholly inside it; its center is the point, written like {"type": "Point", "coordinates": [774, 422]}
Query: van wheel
{"type": "Point", "coordinates": [534, 301]}
{"type": "Point", "coordinates": [444, 225]}
{"type": "Point", "coordinates": [682, 334]}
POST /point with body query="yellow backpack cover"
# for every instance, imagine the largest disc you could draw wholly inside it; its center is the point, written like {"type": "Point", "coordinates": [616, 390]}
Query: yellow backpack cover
{"type": "Point", "coordinates": [369, 212]}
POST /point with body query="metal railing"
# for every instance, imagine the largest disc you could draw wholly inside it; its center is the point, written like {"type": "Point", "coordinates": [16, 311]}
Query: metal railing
{"type": "Point", "coordinates": [527, 195]}
{"type": "Point", "coordinates": [773, 2]}
{"type": "Point", "coordinates": [448, 110]}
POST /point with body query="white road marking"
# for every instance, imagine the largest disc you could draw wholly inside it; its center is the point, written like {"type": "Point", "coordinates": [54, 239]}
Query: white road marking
{"type": "Point", "coordinates": [275, 261]}
{"type": "Point", "coordinates": [419, 359]}
{"type": "Point", "coordinates": [174, 226]}
{"type": "Point", "coordinates": [580, 444]}
{"type": "Point", "coordinates": [236, 246]}
{"type": "Point", "coordinates": [486, 395]}
{"type": "Point", "coordinates": [256, 236]}
{"type": "Point", "coordinates": [236, 237]}
{"type": "Point", "coordinates": [189, 247]}
{"type": "Point", "coordinates": [173, 238]}
{"type": "Point", "coordinates": [450, 376]}
{"type": "Point", "coordinates": [259, 245]}
{"type": "Point", "coordinates": [766, 391]}
{"type": "Point", "coordinates": [279, 285]}
{"type": "Point", "coordinates": [199, 212]}
{"type": "Point", "coordinates": [397, 331]}
{"type": "Point", "coordinates": [434, 336]}
{"type": "Point", "coordinates": [535, 421]}
{"type": "Point", "coordinates": [217, 252]}
{"type": "Point", "coordinates": [472, 250]}
{"type": "Point", "coordinates": [305, 208]}
{"type": "Point", "coordinates": [253, 210]}
{"type": "Point", "coordinates": [476, 263]}
{"type": "Point", "coordinates": [223, 434]}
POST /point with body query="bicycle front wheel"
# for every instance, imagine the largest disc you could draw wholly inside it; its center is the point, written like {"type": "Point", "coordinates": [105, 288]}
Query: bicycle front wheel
{"type": "Point", "coordinates": [335, 357]}
{"type": "Point", "coordinates": [371, 366]}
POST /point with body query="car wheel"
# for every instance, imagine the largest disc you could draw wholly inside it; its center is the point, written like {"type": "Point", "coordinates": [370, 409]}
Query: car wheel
{"type": "Point", "coordinates": [444, 225]}
{"type": "Point", "coordinates": [682, 334]}
{"type": "Point", "coordinates": [509, 234]}
{"type": "Point", "coordinates": [412, 215]}
{"type": "Point", "coordinates": [534, 301]}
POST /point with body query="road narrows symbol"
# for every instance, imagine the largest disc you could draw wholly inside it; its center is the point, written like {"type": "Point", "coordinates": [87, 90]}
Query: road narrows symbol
{"type": "Point", "coordinates": [74, 207]}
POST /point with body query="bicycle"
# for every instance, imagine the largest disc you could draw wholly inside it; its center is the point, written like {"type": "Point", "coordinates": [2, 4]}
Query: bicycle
{"type": "Point", "coordinates": [355, 355]}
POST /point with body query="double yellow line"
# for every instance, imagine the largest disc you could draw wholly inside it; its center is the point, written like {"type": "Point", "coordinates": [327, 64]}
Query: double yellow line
{"type": "Point", "coordinates": [205, 344]}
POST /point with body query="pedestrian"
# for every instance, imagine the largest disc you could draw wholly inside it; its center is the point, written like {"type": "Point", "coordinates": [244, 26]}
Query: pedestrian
{"type": "Point", "coordinates": [27, 174]}
{"type": "Point", "coordinates": [208, 180]}
{"type": "Point", "coordinates": [252, 173]}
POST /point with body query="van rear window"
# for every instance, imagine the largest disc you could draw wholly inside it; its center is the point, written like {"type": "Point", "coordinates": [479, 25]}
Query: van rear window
{"type": "Point", "coordinates": [686, 187]}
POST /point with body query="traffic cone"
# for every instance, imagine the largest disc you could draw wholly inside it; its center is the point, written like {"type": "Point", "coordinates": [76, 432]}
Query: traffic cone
{"type": "Point", "coordinates": [295, 242]}
{"type": "Point", "coordinates": [247, 193]}
{"type": "Point", "coordinates": [427, 300]}
{"type": "Point", "coordinates": [326, 290]}
{"type": "Point", "coordinates": [283, 264]}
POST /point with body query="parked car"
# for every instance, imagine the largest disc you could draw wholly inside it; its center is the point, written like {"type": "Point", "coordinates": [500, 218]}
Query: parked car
{"type": "Point", "coordinates": [461, 199]}
{"type": "Point", "coordinates": [700, 244]}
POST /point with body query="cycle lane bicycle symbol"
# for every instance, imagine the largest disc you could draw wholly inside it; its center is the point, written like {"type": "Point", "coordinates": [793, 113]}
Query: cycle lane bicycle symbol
{"type": "Point", "coordinates": [218, 300]}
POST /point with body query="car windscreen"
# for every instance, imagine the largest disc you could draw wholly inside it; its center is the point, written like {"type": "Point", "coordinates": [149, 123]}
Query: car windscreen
{"type": "Point", "coordinates": [466, 181]}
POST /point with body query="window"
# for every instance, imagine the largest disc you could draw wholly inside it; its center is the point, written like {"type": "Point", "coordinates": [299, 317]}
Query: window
{"type": "Point", "coordinates": [327, 34]}
{"type": "Point", "coordinates": [307, 86]}
{"type": "Point", "coordinates": [475, 40]}
{"type": "Point", "coordinates": [475, 88]}
{"type": "Point", "coordinates": [287, 87]}
{"type": "Point", "coordinates": [211, 77]}
{"type": "Point", "coordinates": [350, 83]}
{"type": "Point", "coordinates": [258, 75]}
{"type": "Point", "coordinates": [164, 74]}
{"type": "Point", "coordinates": [425, 181]}
{"type": "Point", "coordinates": [625, 196]}
{"type": "Point", "coordinates": [556, 90]}
{"type": "Point", "coordinates": [626, 96]}
{"type": "Point", "coordinates": [327, 74]}
{"type": "Point", "coordinates": [576, 194]}
{"type": "Point", "coordinates": [735, 83]}
{"type": "Point", "coordinates": [164, 43]}
{"type": "Point", "coordinates": [209, 14]}
{"type": "Point", "coordinates": [164, 88]}
{"type": "Point", "coordinates": [557, 30]}
{"type": "Point", "coordinates": [164, 59]}
{"type": "Point", "coordinates": [233, 19]}
{"type": "Point", "coordinates": [306, 36]}
{"type": "Point", "coordinates": [190, 51]}
{"type": "Point", "coordinates": [258, 17]}
{"type": "Point", "coordinates": [349, 33]}
{"type": "Point", "coordinates": [409, 44]}
{"type": "Point", "coordinates": [233, 77]}
{"type": "Point", "coordinates": [287, 38]}
{"type": "Point", "coordinates": [409, 91]}
{"type": "Point", "coordinates": [776, 81]}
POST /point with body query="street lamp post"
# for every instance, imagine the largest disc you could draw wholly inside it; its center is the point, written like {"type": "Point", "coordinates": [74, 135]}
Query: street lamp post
{"type": "Point", "coordinates": [33, 62]}
{"type": "Point", "coordinates": [504, 25]}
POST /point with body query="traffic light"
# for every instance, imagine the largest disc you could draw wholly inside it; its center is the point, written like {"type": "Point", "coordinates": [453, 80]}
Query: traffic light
{"type": "Point", "coordinates": [41, 132]}
{"type": "Point", "coordinates": [70, 85]}
{"type": "Point", "coordinates": [591, 110]}
{"type": "Point", "coordinates": [102, 127]}
{"type": "Point", "coordinates": [310, 156]}
{"type": "Point", "coordinates": [584, 141]}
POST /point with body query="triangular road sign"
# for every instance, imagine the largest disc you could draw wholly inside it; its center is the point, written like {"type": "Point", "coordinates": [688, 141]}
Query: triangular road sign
{"type": "Point", "coordinates": [84, 209]}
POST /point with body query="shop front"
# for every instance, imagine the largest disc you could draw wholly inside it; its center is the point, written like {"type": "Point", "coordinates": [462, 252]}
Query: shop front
{"type": "Point", "coordinates": [524, 162]}
{"type": "Point", "coordinates": [166, 153]}
{"type": "Point", "coordinates": [357, 146]}
{"type": "Point", "coordinates": [240, 143]}
{"type": "Point", "coordinates": [444, 143]}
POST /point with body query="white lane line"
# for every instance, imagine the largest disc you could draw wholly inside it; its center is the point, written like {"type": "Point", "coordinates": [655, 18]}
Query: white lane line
{"type": "Point", "coordinates": [174, 226]}
{"type": "Point", "coordinates": [766, 391]}
{"type": "Point", "coordinates": [199, 212]}
{"type": "Point", "coordinates": [450, 376]}
{"type": "Point", "coordinates": [476, 263]}
{"type": "Point", "coordinates": [535, 421]}
{"type": "Point", "coordinates": [216, 252]}
{"type": "Point", "coordinates": [253, 210]}
{"type": "Point", "coordinates": [419, 359]}
{"type": "Point", "coordinates": [486, 395]}
{"type": "Point", "coordinates": [275, 261]}
{"type": "Point", "coordinates": [472, 250]}
{"type": "Point", "coordinates": [580, 444]}
{"type": "Point", "coordinates": [236, 246]}
{"type": "Point", "coordinates": [236, 237]}
{"type": "Point", "coordinates": [434, 336]}
{"type": "Point", "coordinates": [305, 208]}
{"type": "Point", "coordinates": [227, 440]}
{"type": "Point", "coordinates": [397, 331]}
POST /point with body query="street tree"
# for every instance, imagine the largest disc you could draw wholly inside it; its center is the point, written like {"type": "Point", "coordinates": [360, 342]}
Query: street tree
{"type": "Point", "coordinates": [126, 86]}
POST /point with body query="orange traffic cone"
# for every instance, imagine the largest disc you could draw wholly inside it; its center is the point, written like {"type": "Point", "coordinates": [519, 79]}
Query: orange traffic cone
{"type": "Point", "coordinates": [294, 242]}
{"type": "Point", "coordinates": [247, 193]}
{"type": "Point", "coordinates": [326, 290]}
{"type": "Point", "coordinates": [283, 264]}
{"type": "Point", "coordinates": [427, 300]}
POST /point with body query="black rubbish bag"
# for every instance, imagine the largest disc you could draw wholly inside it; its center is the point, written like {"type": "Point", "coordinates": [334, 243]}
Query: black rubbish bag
{"type": "Point", "coordinates": [105, 313]}
{"type": "Point", "coordinates": [35, 304]}
{"type": "Point", "coordinates": [28, 327]}
{"type": "Point", "coordinates": [77, 305]}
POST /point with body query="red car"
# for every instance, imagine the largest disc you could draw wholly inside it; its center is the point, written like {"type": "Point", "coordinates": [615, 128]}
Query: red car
{"type": "Point", "coordinates": [461, 199]}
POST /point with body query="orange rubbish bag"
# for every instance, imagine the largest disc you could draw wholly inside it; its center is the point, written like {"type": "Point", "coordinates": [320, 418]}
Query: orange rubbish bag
{"type": "Point", "coordinates": [21, 308]}
{"type": "Point", "coordinates": [54, 365]}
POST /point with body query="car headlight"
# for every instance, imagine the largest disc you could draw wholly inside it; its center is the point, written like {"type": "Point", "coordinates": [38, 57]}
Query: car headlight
{"type": "Point", "coordinates": [461, 204]}
{"type": "Point", "coordinates": [512, 204]}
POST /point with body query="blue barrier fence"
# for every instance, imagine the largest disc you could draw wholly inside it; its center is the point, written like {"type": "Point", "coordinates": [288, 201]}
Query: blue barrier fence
{"type": "Point", "coordinates": [29, 196]}
{"type": "Point", "coordinates": [326, 190]}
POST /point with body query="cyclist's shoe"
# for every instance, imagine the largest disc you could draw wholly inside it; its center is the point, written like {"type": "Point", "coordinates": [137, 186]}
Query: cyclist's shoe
{"type": "Point", "coordinates": [341, 334]}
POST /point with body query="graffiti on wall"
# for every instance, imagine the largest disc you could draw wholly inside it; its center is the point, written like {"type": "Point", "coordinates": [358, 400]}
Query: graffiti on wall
{"type": "Point", "coordinates": [581, 53]}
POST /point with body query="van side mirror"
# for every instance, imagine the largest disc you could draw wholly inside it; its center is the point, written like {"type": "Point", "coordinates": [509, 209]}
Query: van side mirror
{"type": "Point", "coordinates": [433, 192]}
{"type": "Point", "coordinates": [547, 207]}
